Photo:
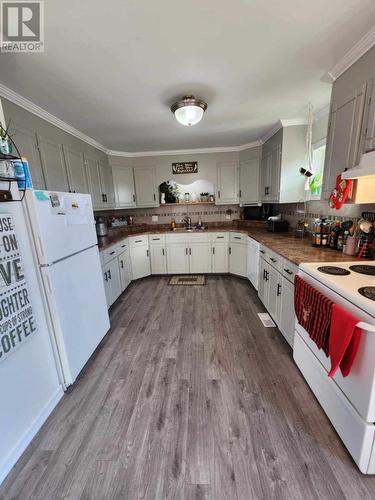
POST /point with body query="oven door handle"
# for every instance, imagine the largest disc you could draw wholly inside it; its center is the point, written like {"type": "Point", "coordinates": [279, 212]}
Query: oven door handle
{"type": "Point", "coordinates": [366, 327]}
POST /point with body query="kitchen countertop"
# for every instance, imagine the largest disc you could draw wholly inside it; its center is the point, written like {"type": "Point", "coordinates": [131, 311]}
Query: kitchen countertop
{"type": "Point", "coordinates": [285, 244]}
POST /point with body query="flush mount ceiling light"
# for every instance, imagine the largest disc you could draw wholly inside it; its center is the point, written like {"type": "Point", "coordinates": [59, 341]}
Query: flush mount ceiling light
{"type": "Point", "coordinates": [189, 110]}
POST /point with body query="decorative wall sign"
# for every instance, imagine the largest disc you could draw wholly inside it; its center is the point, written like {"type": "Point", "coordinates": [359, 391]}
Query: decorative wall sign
{"type": "Point", "coordinates": [17, 322]}
{"type": "Point", "coordinates": [185, 167]}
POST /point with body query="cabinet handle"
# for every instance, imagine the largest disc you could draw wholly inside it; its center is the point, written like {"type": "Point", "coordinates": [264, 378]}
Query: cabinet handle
{"type": "Point", "coordinates": [111, 253]}
{"type": "Point", "coordinates": [105, 198]}
{"type": "Point", "coordinates": [278, 289]}
{"type": "Point", "coordinates": [237, 238]}
{"type": "Point", "coordinates": [123, 246]}
{"type": "Point", "coordinates": [147, 253]}
{"type": "Point", "coordinates": [262, 251]}
{"type": "Point", "coordinates": [288, 271]}
{"type": "Point", "coordinates": [122, 264]}
{"type": "Point", "coordinates": [230, 251]}
{"type": "Point", "coordinates": [109, 274]}
{"type": "Point", "coordinates": [163, 251]}
{"type": "Point", "coordinates": [105, 276]}
{"type": "Point", "coordinates": [154, 197]}
{"type": "Point", "coordinates": [273, 260]}
{"type": "Point", "coordinates": [155, 239]}
{"type": "Point", "coordinates": [133, 197]}
{"type": "Point", "coordinates": [219, 237]}
{"type": "Point", "coordinates": [240, 193]}
{"type": "Point", "coordinates": [213, 250]}
{"type": "Point", "coordinates": [264, 274]}
{"type": "Point", "coordinates": [138, 241]}
{"type": "Point", "coordinates": [218, 194]}
{"type": "Point", "coordinates": [186, 251]}
{"type": "Point", "coordinates": [189, 251]}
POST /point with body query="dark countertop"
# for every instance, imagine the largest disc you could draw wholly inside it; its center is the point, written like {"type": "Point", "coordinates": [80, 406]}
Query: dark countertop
{"type": "Point", "coordinates": [285, 244]}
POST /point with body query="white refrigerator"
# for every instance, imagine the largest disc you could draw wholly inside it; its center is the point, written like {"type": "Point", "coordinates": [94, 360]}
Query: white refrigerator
{"type": "Point", "coordinates": [62, 227]}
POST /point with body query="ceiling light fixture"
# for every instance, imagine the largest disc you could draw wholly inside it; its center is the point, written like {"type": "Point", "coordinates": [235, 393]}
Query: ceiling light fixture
{"type": "Point", "coordinates": [189, 110]}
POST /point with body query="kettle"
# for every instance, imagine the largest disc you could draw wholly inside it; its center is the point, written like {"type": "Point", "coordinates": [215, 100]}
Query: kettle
{"type": "Point", "coordinates": [101, 227]}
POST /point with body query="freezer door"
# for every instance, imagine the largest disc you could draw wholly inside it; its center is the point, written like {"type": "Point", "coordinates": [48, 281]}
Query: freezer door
{"type": "Point", "coordinates": [77, 303]}
{"type": "Point", "coordinates": [62, 223]}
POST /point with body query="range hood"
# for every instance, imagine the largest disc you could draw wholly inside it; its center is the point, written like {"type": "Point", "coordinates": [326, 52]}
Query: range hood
{"type": "Point", "coordinates": [364, 177]}
{"type": "Point", "coordinates": [366, 167]}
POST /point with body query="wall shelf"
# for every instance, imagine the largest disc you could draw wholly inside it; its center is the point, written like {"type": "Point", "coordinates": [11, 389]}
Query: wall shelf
{"type": "Point", "coordinates": [187, 203]}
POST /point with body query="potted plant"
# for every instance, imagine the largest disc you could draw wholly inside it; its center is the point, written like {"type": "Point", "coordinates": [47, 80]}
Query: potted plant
{"type": "Point", "coordinates": [170, 191]}
{"type": "Point", "coordinates": [204, 197]}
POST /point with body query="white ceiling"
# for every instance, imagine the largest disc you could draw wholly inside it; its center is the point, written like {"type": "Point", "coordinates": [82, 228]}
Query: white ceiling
{"type": "Point", "coordinates": [112, 69]}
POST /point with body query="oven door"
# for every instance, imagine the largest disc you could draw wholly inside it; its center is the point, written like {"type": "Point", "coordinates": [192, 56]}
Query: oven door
{"type": "Point", "coordinates": [359, 386]}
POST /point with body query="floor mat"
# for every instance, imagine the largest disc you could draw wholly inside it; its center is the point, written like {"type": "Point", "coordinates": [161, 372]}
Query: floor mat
{"type": "Point", "coordinates": [186, 279]}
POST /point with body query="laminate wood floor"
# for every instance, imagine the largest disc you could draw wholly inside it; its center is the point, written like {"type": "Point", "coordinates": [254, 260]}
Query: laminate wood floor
{"type": "Point", "coordinates": [188, 397]}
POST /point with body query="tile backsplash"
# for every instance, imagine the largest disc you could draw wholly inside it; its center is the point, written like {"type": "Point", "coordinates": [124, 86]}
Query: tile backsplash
{"type": "Point", "coordinates": [208, 213]}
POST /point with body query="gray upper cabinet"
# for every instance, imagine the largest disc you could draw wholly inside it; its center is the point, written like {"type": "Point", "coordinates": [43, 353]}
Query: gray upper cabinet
{"type": "Point", "coordinates": [249, 181]}
{"type": "Point", "coordinates": [107, 184]}
{"type": "Point", "coordinates": [76, 171]}
{"type": "Point", "coordinates": [53, 164]}
{"type": "Point", "coordinates": [146, 191]}
{"type": "Point", "coordinates": [123, 179]}
{"type": "Point", "coordinates": [369, 124]}
{"type": "Point", "coordinates": [94, 181]}
{"type": "Point", "coordinates": [26, 143]}
{"type": "Point", "coordinates": [344, 136]}
{"type": "Point", "coordinates": [266, 169]}
{"type": "Point", "coordinates": [227, 183]}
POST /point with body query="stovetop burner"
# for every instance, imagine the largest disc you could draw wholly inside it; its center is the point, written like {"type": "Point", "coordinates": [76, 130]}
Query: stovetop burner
{"type": "Point", "coordinates": [363, 269]}
{"type": "Point", "coordinates": [337, 271]}
{"type": "Point", "coordinates": [368, 292]}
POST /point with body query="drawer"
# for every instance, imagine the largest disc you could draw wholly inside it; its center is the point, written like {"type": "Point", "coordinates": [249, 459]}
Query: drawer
{"type": "Point", "coordinates": [156, 239]}
{"type": "Point", "coordinates": [138, 241]}
{"type": "Point", "coordinates": [289, 270]}
{"type": "Point", "coordinates": [264, 251]}
{"type": "Point", "coordinates": [220, 237]}
{"type": "Point", "coordinates": [199, 237]}
{"type": "Point", "coordinates": [238, 238]}
{"type": "Point", "coordinates": [275, 260]}
{"type": "Point", "coordinates": [123, 245]}
{"type": "Point", "coordinates": [109, 253]}
{"type": "Point", "coordinates": [177, 238]}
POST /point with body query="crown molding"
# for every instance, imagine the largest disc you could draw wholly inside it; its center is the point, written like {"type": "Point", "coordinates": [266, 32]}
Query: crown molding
{"type": "Point", "coordinates": [172, 152]}
{"type": "Point", "coordinates": [272, 131]}
{"type": "Point", "coordinates": [291, 122]}
{"type": "Point", "coordinates": [355, 53]}
{"type": "Point", "coordinates": [321, 113]}
{"type": "Point", "coordinates": [24, 103]}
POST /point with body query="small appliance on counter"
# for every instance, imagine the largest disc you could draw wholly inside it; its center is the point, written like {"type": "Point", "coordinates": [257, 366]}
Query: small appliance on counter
{"type": "Point", "coordinates": [276, 225]}
{"type": "Point", "coordinates": [101, 227]}
{"type": "Point", "coordinates": [257, 212]}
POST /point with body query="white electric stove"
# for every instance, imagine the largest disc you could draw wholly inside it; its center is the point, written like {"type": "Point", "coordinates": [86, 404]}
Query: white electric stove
{"type": "Point", "coordinates": [349, 402]}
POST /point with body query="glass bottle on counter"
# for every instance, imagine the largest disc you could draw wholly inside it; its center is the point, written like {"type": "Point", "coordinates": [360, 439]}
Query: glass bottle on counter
{"type": "Point", "coordinates": [333, 237]}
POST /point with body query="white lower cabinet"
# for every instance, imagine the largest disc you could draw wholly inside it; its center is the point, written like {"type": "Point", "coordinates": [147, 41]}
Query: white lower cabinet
{"type": "Point", "coordinates": [220, 258]}
{"type": "Point", "coordinates": [200, 257]}
{"type": "Point", "coordinates": [177, 258]}
{"type": "Point", "coordinates": [112, 284]}
{"type": "Point", "coordinates": [125, 269]}
{"type": "Point", "coordinates": [253, 262]}
{"type": "Point", "coordinates": [277, 291]}
{"type": "Point", "coordinates": [139, 257]}
{"type": "Point", "coordinates": [238, 259]}
{"type": "Point", "coordinates": [158, 260]}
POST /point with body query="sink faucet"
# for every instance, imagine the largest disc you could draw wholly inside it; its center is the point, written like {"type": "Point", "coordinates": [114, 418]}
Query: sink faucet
{"type": "Point", "coordinates": [187, 221]}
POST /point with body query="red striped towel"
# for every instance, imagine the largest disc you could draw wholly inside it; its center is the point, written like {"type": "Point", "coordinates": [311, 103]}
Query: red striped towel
{"type": "Point", "coordinates": [314, 312]}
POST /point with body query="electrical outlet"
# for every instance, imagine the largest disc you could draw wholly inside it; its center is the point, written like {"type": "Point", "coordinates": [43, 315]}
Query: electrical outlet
{"type": "Point", "coordinates": [227, 217]}
{"type": "Point", "coordinates": [154, 218]}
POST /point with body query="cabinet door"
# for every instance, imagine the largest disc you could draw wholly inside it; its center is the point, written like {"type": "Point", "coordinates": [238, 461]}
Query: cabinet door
{"type": "Point", "coordinates": [249, 181]}
{"type": "Point", "coordinates": [253, 263]}
{"type": "Point", "coordinates": [274, 293]}
{"type": "Point", "coordinates": [145, 187]}
{"type": "Point", "coordinates": [227, 183]}
{"type": "Point", "coordinates": [76, 171]}
{"type": "Point", "coordinates": [125, 269]}
{"type": "Point", "coordinates": [369, 129]}
{"type": "Point", "coordinates": [287, 316]}
{"type": "Point", "coordinates": [220, 258]}
{"type": "Point", "coordinates": [158, 259]}
{"type": "Point", "coordinates": [238, 259]}
{"type": "Point", "coordinates": [94, 182]}
{"type": "Point", "coordinates": [53, 164]}
{"type": "Point", "coordinates": [263, 288]}
{"type": "Point", "coordinates": [274, 174]}
{"type": "Point", "coordinates": [266, 167]}
{"type": "Point", "coordinates": [140, 261]}
{"type": "Point", "coordinates": [27, 145]}
{"type": "Point", "coordinates": [200, 257]}
{"type": "Point", "coordinates": [344, 137]}
{"type": "Point", "coordinates": [114, 279]}
{"type": "Point", "coordinates": [107, 286]}
{"type": "Point", "coordinates": [123, 180]}
{"type": "Point", "coordinates": [177, 259]}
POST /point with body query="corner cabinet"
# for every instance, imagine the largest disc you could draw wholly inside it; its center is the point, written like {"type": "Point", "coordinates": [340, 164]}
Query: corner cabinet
{"type": "Point", "coordinates": [227, 183]}
{"type": "Point", "coordinates": [344, 136]}
{"type": "Point", "coordinates": [249, 181]}
{"type": "Point", "coordinates": [123, 181]}
{"type": "Point", "coordinates": [146, 190]}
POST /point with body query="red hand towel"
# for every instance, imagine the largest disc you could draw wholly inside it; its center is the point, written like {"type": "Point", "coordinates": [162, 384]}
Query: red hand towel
{"type": "Point", "coordinates": [344, 340]}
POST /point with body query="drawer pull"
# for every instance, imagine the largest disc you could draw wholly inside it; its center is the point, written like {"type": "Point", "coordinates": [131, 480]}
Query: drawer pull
{"type": "Point", "coordinates": [122, 264]}
{"type": "Point", "coordinates": [278, 289]}
{"type": "Point", "coordinates": [237, 238]}
{"type": "Point", "coordinates": [219, 237]}
{"type": "Point", "coordinates": [155, 239]}
{"type": "Point", "coordinates": [288, 271]}
{"type": "Point", "coordinates": [111, 253]}
{"type": "Point", "coordinates": [262, 251]}
{"type": "Point", "coordinates": [138, 241]}
{"type": "Point", "coordinates": [109, 274]}
{"type": "Point", "coordinates": [105, 276]}
{"type": "Point", "coordinates": [123, 246]}
{"type": "Point", "coordinates": [273, 260]}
